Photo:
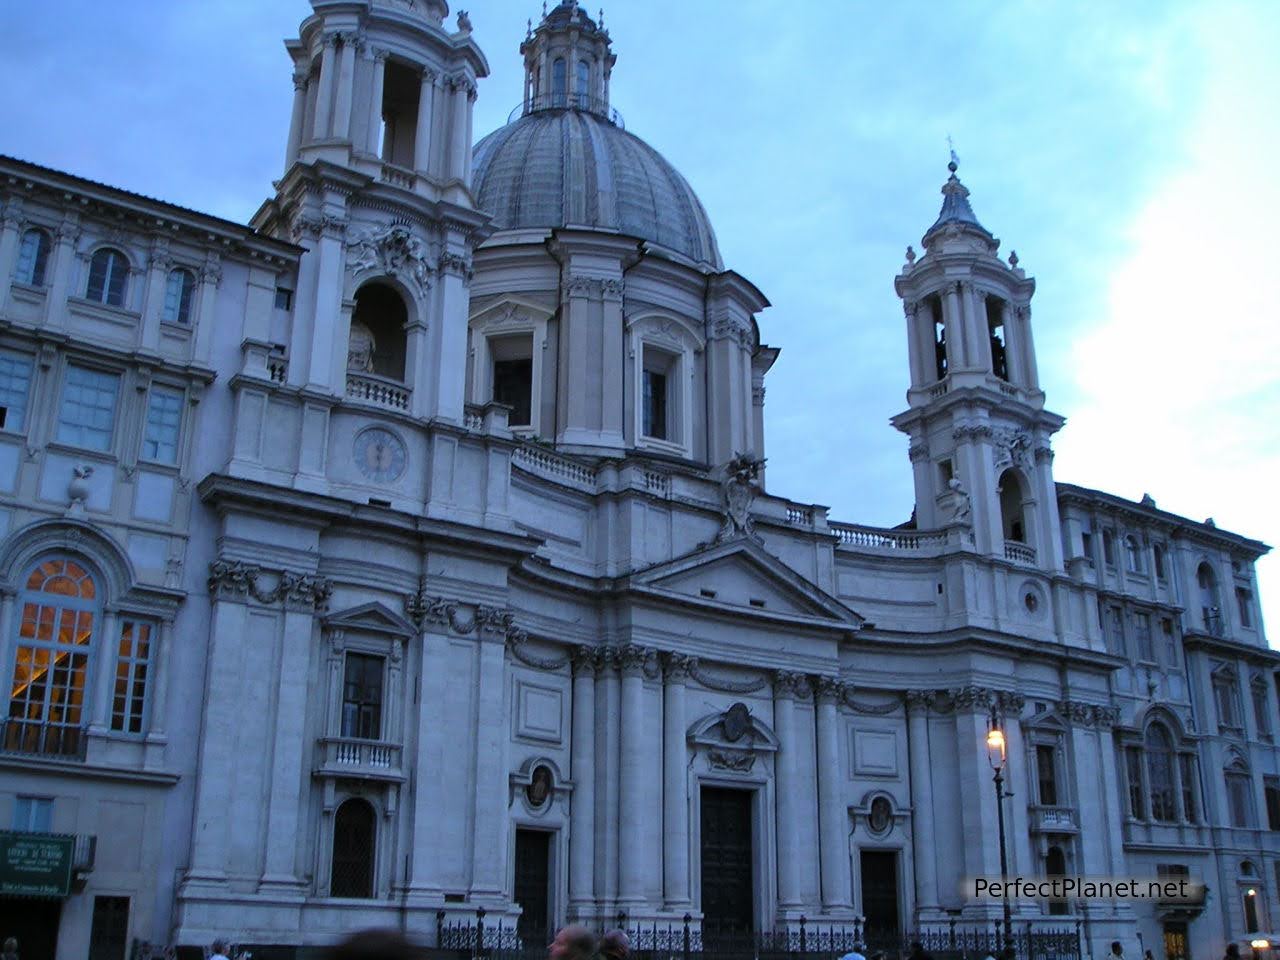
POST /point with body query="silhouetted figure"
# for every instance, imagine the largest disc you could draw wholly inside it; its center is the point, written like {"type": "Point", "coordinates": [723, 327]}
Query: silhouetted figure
{"type": "Point", "coordinates": [573, 943]}
{"type": "Point", "coordinates": [615, 945]}
{"type": "Point", "coordinates": [918, 952]}
{"type": "Point", "coordinates": [1233, 952]}
{"type": "Point", "coordinates": [10, 951]}
{"type": "Point", "coordinates": [218, 950]}
{"type": "Point", "coordinates": [375, 945]}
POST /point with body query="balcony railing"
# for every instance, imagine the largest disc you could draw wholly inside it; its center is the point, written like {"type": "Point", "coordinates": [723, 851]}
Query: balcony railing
{"type": "Point", "coordinates": [1053, 819]}
{"type": "Point", "coordinates": [42, 738]}
{"type": "Point", "coordinates": [379, 391]}
{"type": "Point", "coordinates": [899, 541]}
{"type": "Point", "coordinates": [1019, 552]}
{"type": "Point", "coordinates": [347, 756]}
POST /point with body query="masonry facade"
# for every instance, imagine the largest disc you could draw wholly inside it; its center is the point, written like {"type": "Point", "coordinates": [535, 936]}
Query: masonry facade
{"type": "Point", "coordinates": [408, 551]}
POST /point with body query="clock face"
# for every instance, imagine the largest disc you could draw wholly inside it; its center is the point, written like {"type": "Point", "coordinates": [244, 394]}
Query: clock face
{"type": "Point", "coordinates": [380, 455]}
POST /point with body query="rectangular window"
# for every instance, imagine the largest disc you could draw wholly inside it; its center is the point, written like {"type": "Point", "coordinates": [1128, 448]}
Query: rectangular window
{"type": "Point", "coordinates": [108, 939]}
{"type": "Point", "coordinates": [1187, 767]}
{"type": "Point", "coordinates": [1170, 641]}
{"type": "Point", "coordinates": [33, 814]}
{"type": "Point", "coordinates": [1224, 692]}
{"type": "Point", "coordinates": [164, 418]}
{"type": "Point", "coordinates": [284, 298]}
{"type": "Point", "coordinates": [1238, 800]}
{"type": "Point", "coordinates": [1272, 791]}
{"type": "Point", "coordinates": [133, 668]}
{"type": "Point", "coordinates": [1157, 560]}
{"type": "Point", "coordinates": [1046, 775]}
{"type": "Point", "coordinates": [88, 412]}
{"type": "Point", "coordinates": [1146, 644]}
{"type": "Point", "coordinates": [1261, 715]}
{"type": "Point", "coordinates": [1244, 602]}
{"type": "Point", "coordinates": [1109, 547]}
{"type": "Point", "coordinates": [362, 697]}
{"type": "Point", "coordinates": [15, 386]}
{"type": "Point", "coordinates": [1086, 546]}
{"type": "Point", "coordinates": [1133, 773]}
{"type": "Point", "coordinates": [655, 405]}
{"type": "Point", "coordinates": [1115, 630]}
{"type": "Point", "coordinates": [513, 377]}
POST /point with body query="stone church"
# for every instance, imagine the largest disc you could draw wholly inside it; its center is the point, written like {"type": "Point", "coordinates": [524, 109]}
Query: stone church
{"type": "Point", "coordinates": [409, 551]}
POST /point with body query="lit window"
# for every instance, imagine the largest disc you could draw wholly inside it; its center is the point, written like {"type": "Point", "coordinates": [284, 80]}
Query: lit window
{"type": "Point", "coordinates": [178, 290]}
{"type": "Point", "coordinates": [108, 272]}
{"type": "Point", "coordinates": [33, 814]}
{"type": "Point", "coordinates": [354, 833]}
{"type": "Point", "coordinates": [33, 258]}
{"type": "Point", "coordinates": [164, 418]}
{"type": "Point", "coordinates": [55, 637]}
{"type": "Point", "coordinates": [15, 385]}
{"type": "Point", "coordinates": [362, 697]}
{"type": "Point", "coordinates": [133, 669]}
{"type": "Point", "coordinates": [87, 415]}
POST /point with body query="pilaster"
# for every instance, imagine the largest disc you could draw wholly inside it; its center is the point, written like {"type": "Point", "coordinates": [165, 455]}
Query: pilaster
{"type": "Point", "coordinates": [582, 769]}
{"type": "Point", "coordinates": [675, 793]}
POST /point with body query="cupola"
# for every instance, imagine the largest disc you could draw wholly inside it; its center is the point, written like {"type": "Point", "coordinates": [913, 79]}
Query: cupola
{"type": "Point", "coordinates": [567, 61]}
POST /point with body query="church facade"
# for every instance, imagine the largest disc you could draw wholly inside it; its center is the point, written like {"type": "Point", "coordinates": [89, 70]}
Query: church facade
{"type": "Point", "coordinates": [408, 551]}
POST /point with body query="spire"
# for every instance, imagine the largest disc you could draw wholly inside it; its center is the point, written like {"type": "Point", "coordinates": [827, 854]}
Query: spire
{"type": "Point", "coordinates": [955, 202]}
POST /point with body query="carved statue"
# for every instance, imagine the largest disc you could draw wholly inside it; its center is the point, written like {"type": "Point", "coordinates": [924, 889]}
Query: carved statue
{"type": "Point", "coordinates": [961, 502]}
{"type": "Point", "coordinates": [360, 348]}
{"type": "Point", "coordinates": [464, 22]}
{"type": "Point", "coordinates": [738, 490]}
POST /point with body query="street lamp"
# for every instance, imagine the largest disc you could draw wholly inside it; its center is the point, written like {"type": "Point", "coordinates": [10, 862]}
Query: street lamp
{"type": "Point", "coordinates": [1258, 946]}
{"type": "Point", "coordinates": [996, 754]}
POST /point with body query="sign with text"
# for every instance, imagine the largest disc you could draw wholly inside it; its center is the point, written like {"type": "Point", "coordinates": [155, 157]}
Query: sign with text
{"type": "Point", "coordinates": [35, 864]}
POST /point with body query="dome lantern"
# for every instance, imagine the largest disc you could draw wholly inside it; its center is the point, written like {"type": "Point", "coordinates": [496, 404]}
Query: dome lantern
{"type": "Point", "coordinates": [567, 62]}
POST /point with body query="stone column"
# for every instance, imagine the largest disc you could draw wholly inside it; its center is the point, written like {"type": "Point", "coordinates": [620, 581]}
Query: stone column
{"type": "Point", "coordinates": [161, 653]}
{"type": "Point", "coordinates": [346, 87]}
{"type": "Point", "coordinates": [158, 266]}
{"type": "Point", "coordinates": [958, 352]}
{"type": "Point", "coordinates": [103, 668]}
{"type": "Point", "coordinates": [470, 133]}
{"type": "Point", "coordinates": [923, 837]}
{"type": "Point", "coordinates": [975, 793]}
{"type": "Point", "coordinates": [832, 816]}
{"type": "Point", "coordinates": [297, 119]}
{"type": "Point", "coordinates": [61, 264]}
{"type": "Point", "coordinates": [324, 98]}
{"type": "Point", "coordinates": [284, 801]}
{"type": "Point", "coordinates": [457, 139]}
{"type": "Point", "coordinates": [373, 140]}
{"type": "Point", "coordinates": [976, 307]}
{"type": "Point", "coordinates": [206, 302]}
{"type": "Point", "coordinates": [1018, 783]}
{"type": "Point", "coordinates": [608, 750]}
{"type": "Point", "coordinates": [785, 688]}
{"type": "Point", "coordinates": [675, 792]}
{"type": "Point", "coordinates": [631, 832]}
{"type": "Point", "coordinates": [11, 224]}
{"type": "Point", "coordinates": [1023, 317]}
{"type": "Point", "coordinates": [449, 336]}
{"type": "Point", "coordinates": [582, 812]}
{"type": "Point", "coordinates": [1014, 346]}
{"type": "Point", "coordinates": [489, 843]}
{"type": "Point", "coordinates": [426, 118]}
{"type": "Point", "coordinates": [434, 728]}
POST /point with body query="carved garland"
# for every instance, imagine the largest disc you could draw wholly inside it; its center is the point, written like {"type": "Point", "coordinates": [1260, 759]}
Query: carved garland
{"type": "Point", "coordinates": [238, 580]}
{"type": "Point", "coordinates": [713, 682]}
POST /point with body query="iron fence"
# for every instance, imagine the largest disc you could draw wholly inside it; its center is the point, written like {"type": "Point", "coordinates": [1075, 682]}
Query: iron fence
{"type": "Point", "coordinates": [955, 940]}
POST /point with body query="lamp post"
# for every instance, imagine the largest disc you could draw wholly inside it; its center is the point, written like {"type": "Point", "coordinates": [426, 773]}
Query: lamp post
{"type": "Point", "coordinates": [996, 754]}
{"type": "Point", "coordinates": [1258, 946]}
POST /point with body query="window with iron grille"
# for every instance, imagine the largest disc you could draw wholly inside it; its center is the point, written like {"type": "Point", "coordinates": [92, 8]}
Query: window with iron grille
{"type": "Point", "coordinates": [354, 833]}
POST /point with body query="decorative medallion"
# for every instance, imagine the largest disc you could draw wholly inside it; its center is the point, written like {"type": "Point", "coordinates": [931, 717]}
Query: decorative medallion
{"type": "Point", "coordinates": [736, 722]}
{"type": "Point", "coordinates": [539, 789]}
{"type": "Point", "coordinates": [881, 816]}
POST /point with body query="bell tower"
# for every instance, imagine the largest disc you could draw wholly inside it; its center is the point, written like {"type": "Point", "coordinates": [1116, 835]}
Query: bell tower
{"type": "Point", "coordinates": [980, 436]}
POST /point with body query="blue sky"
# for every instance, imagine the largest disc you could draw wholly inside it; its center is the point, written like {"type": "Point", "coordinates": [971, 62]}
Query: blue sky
{"type": "Point", "coordinates": [1126, 151]}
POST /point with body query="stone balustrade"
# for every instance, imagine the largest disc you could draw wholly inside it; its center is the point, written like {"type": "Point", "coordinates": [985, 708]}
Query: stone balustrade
{"type": "Point", "coordinates": [898, 541]}
{"type": "Point", "coordinates": [1019, 552]}
{"type": "Point", "coordinates": [352, 756]}
{"type": "Point", "coordinates": [378, 391]}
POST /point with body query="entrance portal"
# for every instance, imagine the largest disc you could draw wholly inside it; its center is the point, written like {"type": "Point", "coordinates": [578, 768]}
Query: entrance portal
{"type": "Point", "coordinates": [1175, 940]}
{"type": "Point", "coordinates": [33, 923]}
{"type": "Point", "coordinates": [532, 888]}
{"type": "Point", "coordinates": [727, 876]}
{"type": "Point", "coordinates": [880, 894]}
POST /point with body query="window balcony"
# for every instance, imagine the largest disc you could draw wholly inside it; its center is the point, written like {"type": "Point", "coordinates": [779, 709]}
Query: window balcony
{"type": "Point", "coordinates": [1053, 819]}
{"type": "Point", "coordinates": [354, 757]}
{"type": "Point", "coordinates": [57, 741]}
{"type": "Point", "coordinates": [378, 391]}
{"type": "Point", "coordinates": [1019, 553]}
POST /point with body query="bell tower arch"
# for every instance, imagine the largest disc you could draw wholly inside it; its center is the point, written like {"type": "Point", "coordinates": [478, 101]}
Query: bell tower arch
{"type": "Point", "coordinates": [980, 436]}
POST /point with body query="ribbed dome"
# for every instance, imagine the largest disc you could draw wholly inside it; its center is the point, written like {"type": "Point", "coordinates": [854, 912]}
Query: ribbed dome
{"type": "Point", "coordinates": [553, 168]}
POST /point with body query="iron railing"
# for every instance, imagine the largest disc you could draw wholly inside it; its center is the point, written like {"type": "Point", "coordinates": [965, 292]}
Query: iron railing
{"type": "Point", "coordinates": [567, 101]}
{"type": "Point", "coordinates": [42, 738]}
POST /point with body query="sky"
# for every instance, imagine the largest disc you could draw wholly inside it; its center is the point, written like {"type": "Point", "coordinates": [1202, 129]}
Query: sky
{"type": "Point", "coordinates": [1126, 151]}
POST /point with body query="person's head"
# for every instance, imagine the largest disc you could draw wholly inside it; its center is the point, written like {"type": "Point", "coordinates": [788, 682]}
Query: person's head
{"type": "Point", "coordinates": [1116, 948]}
{"type": "Point", "coordinates": [10, 944]}
{"type": "Point", "coordinates": [615, 945]}
{"type": "Point", "coordinates": [1233, 949]}
{"type": "Point", "coordinates": [219, 946]}
{"type": "Point", "coordinates": [374, 945]}
{"type": "Point", "coordinates": [573, 943]}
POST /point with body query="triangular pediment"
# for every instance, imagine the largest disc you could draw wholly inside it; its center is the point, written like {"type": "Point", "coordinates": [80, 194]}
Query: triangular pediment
{"type": "Point", "coordinates": [372, 618]}
{"type": "Point", "coordinates": [742, 574]}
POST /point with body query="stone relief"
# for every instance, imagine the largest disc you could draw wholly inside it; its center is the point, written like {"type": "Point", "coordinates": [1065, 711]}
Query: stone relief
{"type": "Point", "coordinates": [240, 580]}
{"type": "Point", "coordinates": [394, 251]}
{"type": "Point", "coordinates": [1012, 448]}
{"type": "Point", "coordinates": [738, 491]}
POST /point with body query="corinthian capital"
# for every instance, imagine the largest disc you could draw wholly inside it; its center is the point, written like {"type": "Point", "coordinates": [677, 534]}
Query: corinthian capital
{"type": "Point", "coordinates": [919, 699]}
{"type": "Point", "coordinates": [827, 689]}
{"type": "Point", "coordinates": [676, 666]}
{"type": "Point", "coordinates": [631, 659]}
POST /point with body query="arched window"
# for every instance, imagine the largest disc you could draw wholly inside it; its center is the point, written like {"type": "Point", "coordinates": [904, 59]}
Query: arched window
{"type": "Point", "coordinates": [1011, 513]}
{"type": "Point", "coordinates": [559, 82]}
{"type": "Point", "coordinates": [1133, 554]}
{"type": "Point", "coordinates": [377, 343]}
{"type": "Point", "coordinates": [108, 273]}
{"type": "Point", "coordinates": [354, 833]}
{"type": "Point", "coordinates": [939, 337]}
{"type": "Point", "coordinates": [1210, 608]}
{"type": "Point", "coordinates": [996, 333]}
{"type": "Point", "coordinates": [584, 81]}
{"type": "Point", "coordinates": [1160, 774]}
{"type": "Point", "coordinates": [33, 257]}
{"type": "Point", "coordinates": [178, 290]}
{"type": "Point", "coordinates": [51, 663]}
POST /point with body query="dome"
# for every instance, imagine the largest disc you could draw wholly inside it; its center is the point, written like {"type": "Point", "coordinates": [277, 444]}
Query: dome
{"type": "Point", "coordinates": [553, 168]}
